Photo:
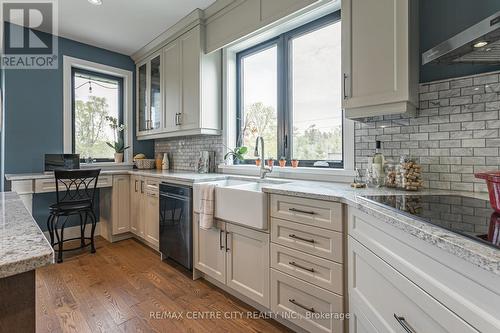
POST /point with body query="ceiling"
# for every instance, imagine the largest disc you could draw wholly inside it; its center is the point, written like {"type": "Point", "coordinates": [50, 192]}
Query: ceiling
{"type": "Point", "coordinates": [122, 26]}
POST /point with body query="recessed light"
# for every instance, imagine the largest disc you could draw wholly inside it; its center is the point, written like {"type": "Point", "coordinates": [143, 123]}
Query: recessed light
{"type": "Point", "coordinates": [477, 45]}
{"type": "Point", "coordinates": [96, 2]}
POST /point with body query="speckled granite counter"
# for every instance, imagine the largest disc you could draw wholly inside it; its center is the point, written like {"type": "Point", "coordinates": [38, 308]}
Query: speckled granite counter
{"type": "Point", "coordinates": [23, 247]}
{"type": "Point", "coordinates": [481, 255]}
{"type": "Point", "coordinates": [181, 176]}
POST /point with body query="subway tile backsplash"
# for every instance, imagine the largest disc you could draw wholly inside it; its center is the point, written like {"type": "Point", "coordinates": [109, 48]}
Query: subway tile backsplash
{"type": "Point", "coordinates": [454, 135]}
{"type": "Point", "coordinates": [185, 151]}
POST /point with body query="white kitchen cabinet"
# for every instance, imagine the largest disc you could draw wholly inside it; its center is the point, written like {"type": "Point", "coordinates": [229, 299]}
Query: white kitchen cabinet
{"type": "Point", "coordinates": [243, 17]}
{"type": "Point", "coordinates": [396, 304]}
{"type": "Point", "coordinates": [235, 256]}
{"type": "Point", "coordinates": [209, 249]}
{"type": "Point", "coordinates": [449, 292]}
{"type": "Point", "coordinates": [115, 205]}
{"type": "Point", "coordinates": [248, 262]}
{"type": "Point", "coordinates": [149, 92]}
{"type": "Point", "coordinates": [152, 219]}
{"type": "Point", "coordinates": [172, 84]}
{"type": "Point", "coordinates": [136, 205]}
{"type": "Point", "coordinates": [190, 90]}
{"type": "Point", "coordinates": [380, 59]}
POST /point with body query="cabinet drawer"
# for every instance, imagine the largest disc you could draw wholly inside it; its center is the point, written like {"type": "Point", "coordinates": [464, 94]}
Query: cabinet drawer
{"type": "Point", "coordinates": [49, 184]}
{"type": "Point", "coordinates": [385, 297]}
{"type": "Point", "coordinates": [469, 291]}
{"type": "Point", "coordinates": [303, 304]}
{"type": "Point", "coordinates": [323, 273]}
{"type": "Point", "coordinates": [324, 243]}
{"type": "Point", "coordinates": [318, 213]}
{"type": "Point", "coordinates": [151, 185]}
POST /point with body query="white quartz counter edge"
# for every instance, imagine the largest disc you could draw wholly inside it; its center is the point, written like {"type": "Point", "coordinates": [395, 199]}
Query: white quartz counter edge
{"type": "Point", "coordinates": [23, 247]}
{"type": "Point", "coordinates": [483, 256]}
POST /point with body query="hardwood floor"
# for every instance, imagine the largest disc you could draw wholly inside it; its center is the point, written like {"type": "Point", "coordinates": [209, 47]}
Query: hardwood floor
{"type": "Point", "coordinates": [117, 289]}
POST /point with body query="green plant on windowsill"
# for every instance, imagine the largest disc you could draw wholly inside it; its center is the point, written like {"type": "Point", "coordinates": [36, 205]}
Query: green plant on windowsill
{"type": "Point", "coordinates": [237, 153]}
{"type": "Point", "coordinates": [118, 145]}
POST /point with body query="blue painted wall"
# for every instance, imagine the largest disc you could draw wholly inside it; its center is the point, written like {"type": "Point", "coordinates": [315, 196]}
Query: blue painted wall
{"type": "Point", "coordinates": [442, 19]}
{"type": "Point", "coordinates": [34, 114]}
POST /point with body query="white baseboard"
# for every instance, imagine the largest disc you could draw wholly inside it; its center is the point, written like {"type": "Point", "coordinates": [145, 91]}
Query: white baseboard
{"type": "Point", "coordinates": [73, 232]}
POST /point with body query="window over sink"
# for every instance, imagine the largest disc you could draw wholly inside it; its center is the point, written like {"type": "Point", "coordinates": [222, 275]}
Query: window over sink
{"type": "Point", "coordinates": [289, 92]}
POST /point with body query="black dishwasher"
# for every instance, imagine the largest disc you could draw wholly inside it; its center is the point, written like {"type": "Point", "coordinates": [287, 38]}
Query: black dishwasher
{"type": "Point", "coordinates": [176, 228]}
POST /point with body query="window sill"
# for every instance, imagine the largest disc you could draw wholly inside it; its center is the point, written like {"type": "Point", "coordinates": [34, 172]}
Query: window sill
{"type": "Point", "coordinates": [303, 173]}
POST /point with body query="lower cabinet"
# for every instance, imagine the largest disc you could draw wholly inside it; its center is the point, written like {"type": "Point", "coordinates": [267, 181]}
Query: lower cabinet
{"type": "Point", "coordinates": [144, 209]}
{"type": "Point", "coordinates": [396, 304]}
{"type": "Point", "coordinates": [247, 262]}
{"type": "Point", "coordinates": [152, 218]}
{"type": "Point", "coordinates": [114, 207]}
{"type": "Point", "coordinates": [236, 256]}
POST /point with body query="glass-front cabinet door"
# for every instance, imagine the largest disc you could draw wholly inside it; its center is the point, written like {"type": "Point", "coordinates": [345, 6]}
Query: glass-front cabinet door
{"type": "Point", "coordinates": [155, 107]}
{"type": "Point", "coordinates": [149, 100]}
{"type": "Point", "coordinates": [142, 102]}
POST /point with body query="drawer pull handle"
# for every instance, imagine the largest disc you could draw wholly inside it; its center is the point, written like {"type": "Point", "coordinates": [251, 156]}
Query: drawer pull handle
{"type": "Point", "coordinates": [309, 212]}
{"type": "Point", "coordinates": [291, 300]}
{"type": "Point", "coordinates": [293, 263]}
{"type": "Point", "coordinates": [312, 241]}
{"type": "Point", "coordinates": [220, 239]}
{"type": "Point", "coordinates": [402, 321]}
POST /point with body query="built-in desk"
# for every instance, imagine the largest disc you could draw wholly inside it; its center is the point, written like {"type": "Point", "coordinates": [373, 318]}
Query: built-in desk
{"type": "Point", "coordinates": [120, 208]}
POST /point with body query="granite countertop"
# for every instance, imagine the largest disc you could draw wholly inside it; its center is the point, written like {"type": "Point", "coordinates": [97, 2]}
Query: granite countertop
{"type": "Point", "coordinates": [481, 255]}
{"type": "Point", "coordinates": [23, 247]}
{"type": "Point", "coordinates": [182, 176]}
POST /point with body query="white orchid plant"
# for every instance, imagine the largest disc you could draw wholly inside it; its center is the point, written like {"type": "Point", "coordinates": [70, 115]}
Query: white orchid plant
{"type": "Point", "coordinates": [118, 144]}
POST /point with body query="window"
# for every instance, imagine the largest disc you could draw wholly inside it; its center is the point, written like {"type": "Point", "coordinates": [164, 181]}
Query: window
{"type": "Point", "coordinates": [289, 92]}
{"type": "Point", "coordinates": [95, 97]}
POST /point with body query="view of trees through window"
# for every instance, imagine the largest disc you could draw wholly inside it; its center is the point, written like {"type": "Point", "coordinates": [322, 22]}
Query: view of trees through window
{"type": "Point", "coordinates": [259, 74]}
{"type": "Point", "coordinates": [94, 99]}
{"type": "Point", "coordinates": [311, 100]}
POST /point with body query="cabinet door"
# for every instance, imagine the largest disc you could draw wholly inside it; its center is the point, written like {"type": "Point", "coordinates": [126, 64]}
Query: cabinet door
{"type": "Point", "coordinates": [135, 206]}
{"type": "Point", "coordinates": [209, 250]}
{"type": "Point", "coordinates": [376, 54]}
{"type": "Point", "coordinates": [190, 44]}
{"type": "Point", "coordinates": [248, 262]}
{"type": "Point", "coordinates": [142, 98]}
{"type": "Point", "coordinates": [152, 225]}
{"type": "Point", "coordinates": [155, 105]}
{"type": "Point", "coordinates": [172, 85]}
{"type": "Point", "coordinates": [121, 204]}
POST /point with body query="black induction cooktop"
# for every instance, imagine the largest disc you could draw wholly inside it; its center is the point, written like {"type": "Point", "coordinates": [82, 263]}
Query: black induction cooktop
{"type": "Point", "coordinates": [470, 217]}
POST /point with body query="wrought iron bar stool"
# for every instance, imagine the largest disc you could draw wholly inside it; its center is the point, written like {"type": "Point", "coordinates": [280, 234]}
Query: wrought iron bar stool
{"type": "Point", "coordinates": [75, 192]}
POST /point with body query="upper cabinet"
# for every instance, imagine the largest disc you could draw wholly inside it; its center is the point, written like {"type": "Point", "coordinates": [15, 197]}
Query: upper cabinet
{"type": "Point", "coordinates": [179, 89]}
{"type": "Point", "coordinates": [243, 17]}
{"type": "Point", "coordinates": [380, 60]}
{"type": "Point", "coordinates": [149, 101]}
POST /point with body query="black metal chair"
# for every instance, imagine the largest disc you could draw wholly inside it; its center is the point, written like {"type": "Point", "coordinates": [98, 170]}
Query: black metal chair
{"type": "Point", "coordinates": [75, 191]}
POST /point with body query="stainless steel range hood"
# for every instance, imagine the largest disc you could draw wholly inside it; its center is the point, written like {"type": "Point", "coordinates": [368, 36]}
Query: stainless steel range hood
{"type": "Point", "coordinates": [479, 44]}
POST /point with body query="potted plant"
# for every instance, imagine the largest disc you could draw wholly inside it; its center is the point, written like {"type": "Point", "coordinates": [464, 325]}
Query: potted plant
{"type": "Point", "coordinates": [118, 144]}
{"type": "Point", "coordinates": [258, 161]}
{"type": "Point", "coordinates": [236, 153]}
{"type": "Point", "coordinates": [270, 162]}
{"type": "Point", "coordinates": [282, 161]}
{"type": "Point", "coordinates": [295, 162]}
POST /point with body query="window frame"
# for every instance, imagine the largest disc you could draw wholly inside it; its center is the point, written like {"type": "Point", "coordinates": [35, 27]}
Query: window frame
{"type": "Point", "coordinates": [118, 79]}
{"type": "Point", "coordinates": [128, 103]}
{"type": "Point", "coordinates": [284, 89]}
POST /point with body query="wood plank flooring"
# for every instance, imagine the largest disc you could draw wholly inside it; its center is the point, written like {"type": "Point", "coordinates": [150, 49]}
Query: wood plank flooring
{"type": "Point", "coordinates": [117, 289]}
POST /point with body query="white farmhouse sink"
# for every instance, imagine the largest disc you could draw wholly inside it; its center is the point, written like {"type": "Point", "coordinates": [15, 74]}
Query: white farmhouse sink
{"type": "Point", "coordinates": [243, 204]}
{"type": "Point", "coordinates": [240, 201]}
